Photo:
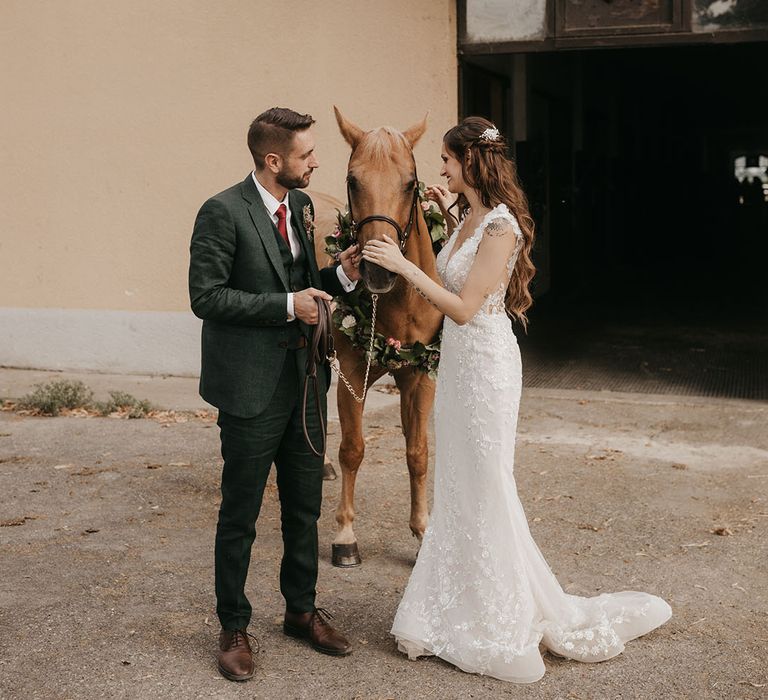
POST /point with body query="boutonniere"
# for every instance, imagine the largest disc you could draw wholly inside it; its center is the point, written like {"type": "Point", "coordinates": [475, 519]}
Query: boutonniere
{"type": "Point", "coordinates": [309, 224]}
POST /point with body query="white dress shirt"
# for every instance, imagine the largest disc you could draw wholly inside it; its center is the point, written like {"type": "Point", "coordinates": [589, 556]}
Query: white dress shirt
{"type": "Point", "coordinates": [272, 204]}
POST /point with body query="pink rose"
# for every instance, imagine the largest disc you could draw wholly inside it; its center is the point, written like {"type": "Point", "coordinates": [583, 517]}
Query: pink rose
{"type": "Point", "coordinates": [396, 344]}
{"type": "Point", "coordinates": [425, 206]}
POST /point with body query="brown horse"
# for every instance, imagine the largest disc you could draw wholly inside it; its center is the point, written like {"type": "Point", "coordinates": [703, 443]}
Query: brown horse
{"type": "Point", "coordinates": [381, 178]}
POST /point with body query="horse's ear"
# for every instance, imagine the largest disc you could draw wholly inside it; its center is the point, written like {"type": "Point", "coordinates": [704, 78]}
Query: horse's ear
{"type": "Point", "coordinates": [351, 132]}
{"type": "Point", "coordinates": [415, 132]}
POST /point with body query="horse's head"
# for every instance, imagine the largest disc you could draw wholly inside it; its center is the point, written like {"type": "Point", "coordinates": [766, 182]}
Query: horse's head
{"type": "Point", "coordinates": [381, 182]}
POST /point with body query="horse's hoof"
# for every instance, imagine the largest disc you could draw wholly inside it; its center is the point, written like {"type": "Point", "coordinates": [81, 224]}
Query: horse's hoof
{"type": "Point", "coordinates": [345, 555]}
{"type": "Point", "coordinates": [329, 473]}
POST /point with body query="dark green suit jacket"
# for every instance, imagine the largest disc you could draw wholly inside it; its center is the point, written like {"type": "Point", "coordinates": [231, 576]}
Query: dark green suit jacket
{"type": "Point", "coordinates": [238, 285]}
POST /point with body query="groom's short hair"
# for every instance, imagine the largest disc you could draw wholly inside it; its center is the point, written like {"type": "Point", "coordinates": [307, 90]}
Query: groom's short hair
{"type": "Point", "coordinates": [272, 132]}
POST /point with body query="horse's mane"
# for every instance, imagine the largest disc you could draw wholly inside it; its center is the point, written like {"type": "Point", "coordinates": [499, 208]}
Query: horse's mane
{"type": "Point", "coordinates": [379, 145]}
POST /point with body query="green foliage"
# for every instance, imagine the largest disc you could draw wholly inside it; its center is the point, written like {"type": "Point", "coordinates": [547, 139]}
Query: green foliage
{"type": "Point", "coordinates": [341, 237]}
{"type": "Point", "coordinates": [122, 401]}
{"type": "Point", "coordinates": [52, 398]}
{"type": "Point", "coordinates": [353, 318]}
{"type": "Point", "coordinates": [434, 218]}
{"type": "Point", "coordinates": [49, 399]}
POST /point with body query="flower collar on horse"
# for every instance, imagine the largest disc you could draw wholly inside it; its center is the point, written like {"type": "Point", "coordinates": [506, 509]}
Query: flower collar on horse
{"type": "Point", "coordinates": [353, 312]}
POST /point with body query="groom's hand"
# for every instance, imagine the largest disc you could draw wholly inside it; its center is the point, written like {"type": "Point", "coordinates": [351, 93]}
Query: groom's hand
{"type": "Point", "coordinates": [305, 306]}
{"type": "Point", "coordinates": [350, 262]}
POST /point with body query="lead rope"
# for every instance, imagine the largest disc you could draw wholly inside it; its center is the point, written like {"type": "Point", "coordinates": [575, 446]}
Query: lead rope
{"type": "Point", "coordinates": [335, 363]}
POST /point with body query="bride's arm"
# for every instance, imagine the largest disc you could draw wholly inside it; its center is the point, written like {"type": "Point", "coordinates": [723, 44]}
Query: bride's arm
{"type": "Point", "coordinates": [488, 270]}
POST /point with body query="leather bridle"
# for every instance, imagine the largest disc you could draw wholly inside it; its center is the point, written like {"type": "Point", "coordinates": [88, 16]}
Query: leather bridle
{"type": "Point", "coordinates": [402, 234]}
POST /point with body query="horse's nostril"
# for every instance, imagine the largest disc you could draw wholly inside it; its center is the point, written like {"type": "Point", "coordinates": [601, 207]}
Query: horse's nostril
{"type": "Point", "coordinates": [377, 279]}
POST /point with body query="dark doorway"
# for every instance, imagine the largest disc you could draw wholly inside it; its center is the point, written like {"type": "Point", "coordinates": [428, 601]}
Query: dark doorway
{"type": "Point", "coordinates": [646, 174]}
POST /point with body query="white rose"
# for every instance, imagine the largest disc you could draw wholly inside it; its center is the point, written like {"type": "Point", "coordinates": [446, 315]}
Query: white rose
{"type": "Point", "coordinates": [348, 321]}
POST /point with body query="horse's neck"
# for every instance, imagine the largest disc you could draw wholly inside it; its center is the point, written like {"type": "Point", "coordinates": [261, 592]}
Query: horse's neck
{"type": "Point", "coordinates": [404, 314]}
{"type": "Point", "coordinates": [419, 249]}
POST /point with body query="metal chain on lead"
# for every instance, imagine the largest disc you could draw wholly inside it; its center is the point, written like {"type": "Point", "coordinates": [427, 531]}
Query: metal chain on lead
{"type": "Point", "coordinates": [335, 363]}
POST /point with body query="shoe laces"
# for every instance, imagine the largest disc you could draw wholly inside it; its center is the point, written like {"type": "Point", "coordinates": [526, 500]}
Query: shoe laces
{"type": "Point", "coordinates": [322, 615]}
{"type": "Point", "coordinates": [239, 637]}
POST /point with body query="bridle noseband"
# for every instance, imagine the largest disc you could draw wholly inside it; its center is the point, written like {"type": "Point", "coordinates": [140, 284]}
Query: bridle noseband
{"type": "Point", "coordinates": [402, 234]}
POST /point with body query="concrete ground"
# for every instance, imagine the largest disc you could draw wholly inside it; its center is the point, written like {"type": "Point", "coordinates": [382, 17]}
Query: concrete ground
{"type": "Point", "coordinates": [106, 534]}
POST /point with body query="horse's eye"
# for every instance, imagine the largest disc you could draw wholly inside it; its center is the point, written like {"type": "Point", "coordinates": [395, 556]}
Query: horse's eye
{"type": "Point", "coordinates": [412, 184]}
{"type": "Point", "coordinates": [352, 182]}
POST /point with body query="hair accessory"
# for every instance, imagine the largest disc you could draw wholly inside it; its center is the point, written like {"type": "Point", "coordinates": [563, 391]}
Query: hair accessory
{"type": "Point", "coordinates": [490, 134]}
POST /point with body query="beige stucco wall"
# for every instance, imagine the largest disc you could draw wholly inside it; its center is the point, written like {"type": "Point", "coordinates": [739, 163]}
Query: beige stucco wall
{"type": "Point", "coordinates": [121, 118]}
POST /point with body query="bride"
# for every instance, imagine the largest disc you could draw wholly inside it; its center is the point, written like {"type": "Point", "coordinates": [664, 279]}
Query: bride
{"type": "Point", "coordinates": [481, 596]}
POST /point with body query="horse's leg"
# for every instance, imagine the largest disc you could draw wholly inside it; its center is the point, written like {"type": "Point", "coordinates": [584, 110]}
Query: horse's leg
{"type": "Point", "coordinates": [417, 394]}
{"type": "Point", "coordinates": [344, 548]}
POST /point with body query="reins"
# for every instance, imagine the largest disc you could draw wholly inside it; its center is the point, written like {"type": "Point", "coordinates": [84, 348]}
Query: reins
{"type": "Point", "coordinates": [320, 349]}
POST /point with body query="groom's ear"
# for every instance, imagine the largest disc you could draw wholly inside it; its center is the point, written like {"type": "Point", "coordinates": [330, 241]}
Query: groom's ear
{"type": "Point", "coordinates": [415, 132]}
{"type": "Point", "coordinates": [272, 162]}
{"type": "Point", "coordinates": [351, 132]}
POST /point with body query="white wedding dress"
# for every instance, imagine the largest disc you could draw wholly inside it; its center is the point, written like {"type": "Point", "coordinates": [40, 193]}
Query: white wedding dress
{"type": "Point", "coordinates": [481, 595]}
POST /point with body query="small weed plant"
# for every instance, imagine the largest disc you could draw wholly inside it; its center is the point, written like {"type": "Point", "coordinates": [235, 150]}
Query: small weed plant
{"type": "Point", "coordinates": [54, 397]}
{"type": "Point", "coordinates": [122, 402]}
{"type": "Point", "coordinates": [51, 398]}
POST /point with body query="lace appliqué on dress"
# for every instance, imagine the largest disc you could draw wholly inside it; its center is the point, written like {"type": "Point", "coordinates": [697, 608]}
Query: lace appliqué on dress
{"type": "Point", "coordinates": [481, 595]}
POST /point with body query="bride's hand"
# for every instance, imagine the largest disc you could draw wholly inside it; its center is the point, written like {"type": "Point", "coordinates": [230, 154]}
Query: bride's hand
{"type": "Point", "coordinates": [385, 254]}
{"type": "Point", "coordinates": [441, 195]}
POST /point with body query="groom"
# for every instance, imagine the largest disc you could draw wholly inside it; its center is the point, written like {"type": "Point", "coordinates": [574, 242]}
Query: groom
{"type": "Point", "coordinates": [253, 279]}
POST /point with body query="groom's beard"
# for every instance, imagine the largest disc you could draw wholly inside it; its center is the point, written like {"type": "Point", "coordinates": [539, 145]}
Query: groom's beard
{"type": "Point", "coordinates": [292, 182]}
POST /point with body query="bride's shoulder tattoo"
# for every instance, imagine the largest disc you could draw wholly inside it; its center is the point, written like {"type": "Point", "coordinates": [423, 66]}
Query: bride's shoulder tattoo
{"type": "Point", "coordinates": [498, 227]}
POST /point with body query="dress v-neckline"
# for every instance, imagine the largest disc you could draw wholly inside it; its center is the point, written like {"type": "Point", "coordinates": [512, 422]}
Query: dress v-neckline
{"type": "Point", "coordinates": [452, 253]}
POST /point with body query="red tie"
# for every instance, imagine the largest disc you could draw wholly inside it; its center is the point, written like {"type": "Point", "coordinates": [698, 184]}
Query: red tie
{"type": "Point", "coordinates": [281, 227]}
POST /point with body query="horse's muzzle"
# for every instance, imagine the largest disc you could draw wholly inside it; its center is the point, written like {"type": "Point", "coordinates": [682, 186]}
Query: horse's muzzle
{"type": "Point", "coordinates": [377, 280]}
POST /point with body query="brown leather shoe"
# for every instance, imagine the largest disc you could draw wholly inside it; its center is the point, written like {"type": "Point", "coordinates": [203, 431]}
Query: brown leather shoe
{"type": "Point", "coordinates": [234, 659]}
{"type": "Point", "coordinates": [314, 627]}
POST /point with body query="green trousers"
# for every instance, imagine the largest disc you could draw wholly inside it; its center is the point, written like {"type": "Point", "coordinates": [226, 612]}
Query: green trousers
{"type": "Point", "coordinates": [249, 447]}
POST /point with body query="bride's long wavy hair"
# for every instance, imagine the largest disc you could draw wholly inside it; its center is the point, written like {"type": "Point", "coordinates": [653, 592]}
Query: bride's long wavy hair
{"type": "Point", "coordinates": [487, 169]}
